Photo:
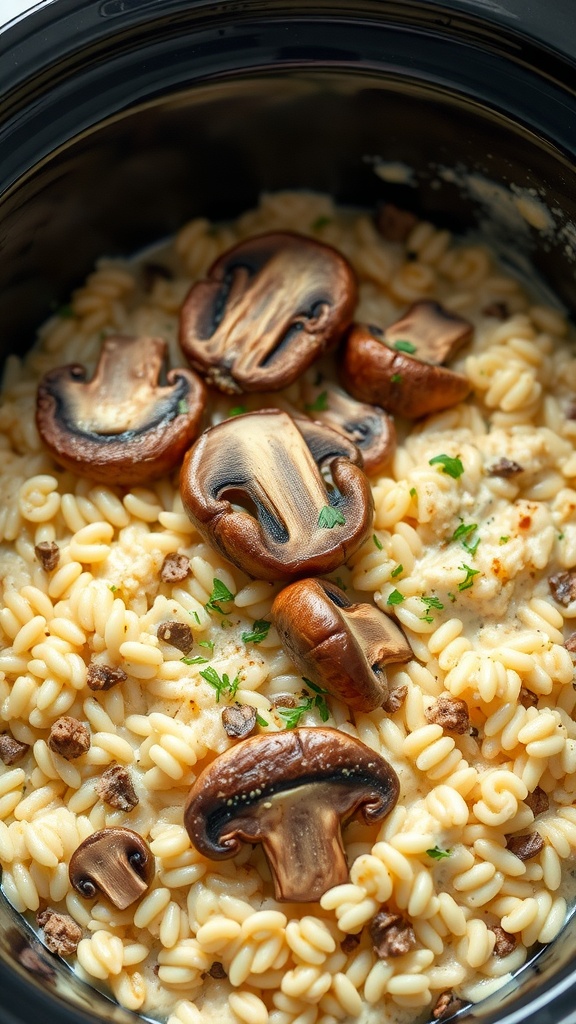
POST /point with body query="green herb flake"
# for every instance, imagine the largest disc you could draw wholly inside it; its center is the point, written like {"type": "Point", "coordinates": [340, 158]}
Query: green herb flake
{"type": "Point", "coordinates": [504, 540]}
{"type": "Point", "coordinates": [113, 588]}
{"type": "Point", "coordinates": [396, 378]}
{"type": "Point", "coordinates": [221, 684]}
{"type": "Point", "coordinates": [404, 346]}
{"type": "Point", "coordinates": [330, 517]}
{"type": "Point", "coordinates": [195, 661]}
{"type": "Point", "coordinates": [438, 854]}
{"type": "Point", "coordinates": [432, 602]}
{"type": "Point", "coordinates": [197, 617]}
{"type": "Point", "coordinates": [206, 643]}
{"type": "Point", "coordinates": [182, 407]}
{"type": "Point", "coordinates": [413, 493]}
{"type": "Point", "coordinates": [258, 633]}
{"type": "Point", "coordinates": [261, 721]}
{"type": "Point", "coordinates": [470, 574]}
{"type": "Point", "coordinates": [320, 222]}
{"type": "Point", "coordinates": [219, 593]}
{"type": "Point", "coordinates": [451, 596]}
{"type": "Point", "coordinates": [395, 598]}
{"type": "Point", "coordinates": [464, 530]}
{"type": "Point", "coordinates": [292, 716]}
{"type": "Point", "coordinates": [237, 410]}
{"type": "Point", "coordinates": [65, 312]}
{"type": "Point", "coordinates": [453, 467]}
{"type": "Point", "coordinates": [426, 618]}
{"type": "Point", "coordinates": [378, 543]}
{"type": "Point", "coordinates": [320, 404]}
{"type": "Point", "coordinates": [396, 572]}
{"type": "Point", "coordinates": [560, 536]}
{"type": "Point", "coordinates": [340, 583]}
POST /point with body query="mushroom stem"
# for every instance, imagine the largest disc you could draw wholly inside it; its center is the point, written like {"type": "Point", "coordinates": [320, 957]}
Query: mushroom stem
{"type": "Point", "coordinates": [303, 845]}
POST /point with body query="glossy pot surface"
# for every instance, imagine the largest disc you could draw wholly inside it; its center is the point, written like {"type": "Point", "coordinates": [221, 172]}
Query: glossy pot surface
{"type": "Point", "coordinates": [124, 118]}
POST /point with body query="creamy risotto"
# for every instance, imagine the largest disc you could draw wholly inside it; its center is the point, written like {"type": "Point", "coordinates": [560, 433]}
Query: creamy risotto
{"type": "Point", "coordinates": [117, 614]}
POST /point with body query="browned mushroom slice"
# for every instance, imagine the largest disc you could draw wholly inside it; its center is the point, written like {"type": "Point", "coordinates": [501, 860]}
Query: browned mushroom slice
{"type": "Point", "coordinates": [123, 426]}
{"type": "Point", "coordinates": [293, 524]}
{"type": "Point", "coordinates": [290, 791]}
{"type": "Point", "coordinates": [341, 646]}
{"type": "Point", "coordinates": [434, 334]}
{"type": "Point", "coordinates": [369, 427]}
{"type": "Point", "coordinates": [373, 372]}
{"type": "Point", "coordinates": [268, 308]}
{"type": "Point", "coordinates": [114, 861]}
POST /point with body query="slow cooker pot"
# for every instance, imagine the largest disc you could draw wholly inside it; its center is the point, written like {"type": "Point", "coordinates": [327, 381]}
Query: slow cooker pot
{"type": "Point", "coordinates": [124, 118]}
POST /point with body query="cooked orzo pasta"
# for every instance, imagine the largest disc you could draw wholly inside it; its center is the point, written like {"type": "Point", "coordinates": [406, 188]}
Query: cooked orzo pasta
{"type": "Point", "coordinates": [471, 553]}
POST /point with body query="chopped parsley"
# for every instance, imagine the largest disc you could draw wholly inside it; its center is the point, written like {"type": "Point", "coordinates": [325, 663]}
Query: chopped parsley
{"type": "Point", "coordinates": [206, 643]}
{"type": "Point", "coordinates": [340, 583]}
{"type": "Point", "coordinates": [182, 407]}
{"type": "Point", "coordinates": [320, 222]}
{"type": "Point", "coordinates": [432, 602]}
{"type": "Point", "coordinates": [320, 404]}
{"type": "Point", "coordinates": [113, 588]}
{"type": "Point", "coordinates": [413, 493]}
{"type": "Point", "coordinates": [453, 467]}
{"type": "Point", "coordinates": [65, 312]}
{"type": "Point", "coordinates": [219, 593]}
{"type": "Point", "coordinates": [463, 533]}
{"type": "Point", "coordinates": [258, 632]}
{"type": "Point", "coordinates": [504, 540]}
{"type": "Point", "coordinates": [195, 661]}
{"type": "Point", "coordinates": [237, 410]}
{"type": "Point", "coordinates": [470, 574]}
{"type": "Point", "coordinates": [292, 716]}
{"type": "Point", "coordinates": [437, 854]}
{"type": "Point", "coordinates": [404, 346]}
{"type": "Point", "coordinates": [222, 683]}
{"type": "Point", "coordinates": [261, 721]}
{"type": "Point", "coordinates": [396, 572]}
{"type": "Point", "coordinates": [395, 598]}
{"type": "Point", "coordinates": [378, 543]}
{"type": "Point", "coordinates": [451, 596]}
{"type": "Point", "coordinates": [330, 517]}
{"type": "Point", "coordinates": [197, 617]}
{"type": "Point", "coordinates": [396, 378]}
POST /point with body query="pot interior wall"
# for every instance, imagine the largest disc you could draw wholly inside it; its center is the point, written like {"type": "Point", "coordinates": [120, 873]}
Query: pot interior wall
{"type": "Point", "coordinates": [211, 150]}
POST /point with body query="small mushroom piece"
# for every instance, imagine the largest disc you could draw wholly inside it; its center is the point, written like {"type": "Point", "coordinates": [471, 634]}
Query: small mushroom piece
{"type": "Point", "coordinates": [268, 308]}
{"type": "Point", "coordinates": [290, 791]}
{"type": "Point", "coordinates": [343, 647]}
{"type": "Point", "coordinates": [123, 426]}
{"type": "Point", "coordinates": [114, 861]}
{"type": "Point", "coordinates": [397, 381]}
{"type": "Point", "coordinates": [370, 428]}
{"type": "Point", "coordinates": [435, 333]}
{"type": "Point", "coordinates": [292, 523]}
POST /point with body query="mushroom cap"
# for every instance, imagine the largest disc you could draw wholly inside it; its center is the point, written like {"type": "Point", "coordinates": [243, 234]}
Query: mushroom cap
{"type": "Point", "coordinates": [435, 333]}
{"type": "Point", "coordinates": [272, 465]}
{"type": "Point", "coordinates": [373, 372]}
{"type": "Point", "coordinates": [253, 771]}
{"type": "Point", "coordinates": [367, 426]}
{"type": "Point", "coordinates": [268, 308]}
{"type": "Point", "coordinates": [115, 861]}
{"type": "Point", "coordinates": [122, 427]}
{"type": "Point", "coordinates": [339, 645]}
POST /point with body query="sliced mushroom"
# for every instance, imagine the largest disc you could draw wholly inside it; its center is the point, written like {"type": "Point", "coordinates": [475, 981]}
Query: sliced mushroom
{"type": "Point", "coordinates": [290, 791]}
{"type": "Point", "coordinates": [367, 426]}
{"type": "Point", "coordinates": [435, 333]}
{"type": "Point", "coordinates": [341, 646]}
{"type": "Point", "coordinates": [293, 524]}
{"type": "Point", "coordinates": [373, 372]}
{"type": "Point", "coordinates": [268, 308]}
{"type": "Point", "coordinates": [114, 861]}
{"type": "Point", "coordinates": [123, 426]}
